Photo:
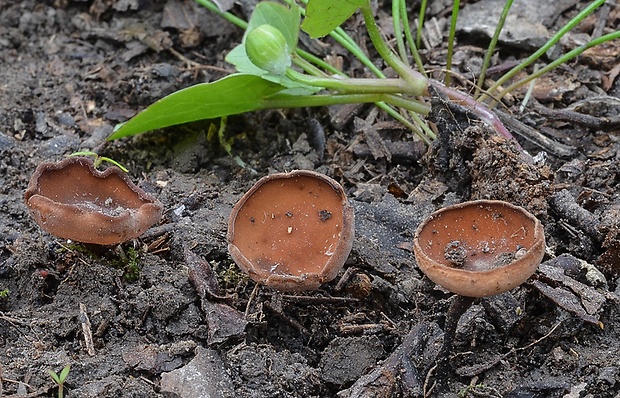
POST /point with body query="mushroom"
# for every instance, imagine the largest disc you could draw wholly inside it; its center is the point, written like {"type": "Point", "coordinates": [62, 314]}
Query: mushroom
{"type": "Point", "coordinates": [292, 231]}
{"type": "Point", "coordinates": [73, 200]}
{"type": "Point", "coordinates": [479, 248]}
{"type": "Point", "coordinates": [476, 249]}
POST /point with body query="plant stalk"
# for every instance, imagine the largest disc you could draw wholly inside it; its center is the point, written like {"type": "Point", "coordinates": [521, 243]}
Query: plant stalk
{"type": "Point", "coordinates": [491, 48]}
{"type": "Point", "coordinates": [541, 51]}
{"type": "Point", "coordinates": [297, 101]}
{"type": "Point", "coordinates": [354, 85]}
{"type": "Point", "coordinates": [455, 13]}
{"type": "Point", "coordinates": [403, 70]}
{"type": "Point", "coordinates": [563, 59]}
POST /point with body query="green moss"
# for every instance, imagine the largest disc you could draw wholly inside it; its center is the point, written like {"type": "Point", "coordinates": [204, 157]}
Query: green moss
{"type": "Point", "coordinates": [132, 267]}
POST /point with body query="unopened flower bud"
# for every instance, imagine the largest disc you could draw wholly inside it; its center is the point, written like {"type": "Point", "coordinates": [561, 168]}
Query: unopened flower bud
{"type": "Point", "coordinates": [266, 47]}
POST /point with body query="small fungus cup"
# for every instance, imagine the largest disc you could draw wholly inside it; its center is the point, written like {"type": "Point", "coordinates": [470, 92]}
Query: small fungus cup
{"type": "Point", "coordinates": [479, 248]}
{"type": "Point", "coordinates": [73, 200]}
{"type": "Point", "coordinates": [292, 231]}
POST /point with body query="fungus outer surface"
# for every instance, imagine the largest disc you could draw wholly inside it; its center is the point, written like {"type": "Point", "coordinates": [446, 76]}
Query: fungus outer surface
{"type": "Point", "coordinates": [292, 231]}
{"type": "Point", "coordinates": [73, 200]}
{"type": "Point", "coordinates": [479, 248]}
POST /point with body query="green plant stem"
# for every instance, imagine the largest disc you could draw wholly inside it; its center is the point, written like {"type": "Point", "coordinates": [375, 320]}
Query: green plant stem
{"type": "Point", "coordinates": [290, 101]}
{"type": "Point", "coordinates": [455, 13]}
{"type": "Point", "coordinates": [563, 59]}
{"type": "Point", "coordinates": [412, 45]}
{"type": "Point", "coordinates": [489, 53]}
{"type": "Point", "coordinates": [425, 127]}
{"type": "Point", "coordinates": [420, 84]}
{"type": "Point", "coordinates": [541, 51]}
{"type": "Point", "coordinates": [232, 18]}
{"type": "Point", "coordinates": [344, 40]}
{"type": "Point", "coordinates": [421, 129]}
{"type": "Point", "coordinates": [408, 104]}
{"type": "Point", "coordinates": [398, 31]}
{"type": "Point", "coordinates": [353, 85]}
{"type": "Point", "coordinates": [404, 71]}
{"type": "Point", "coordinates": [310, 60]}
{"type": "Point", "coordinates": [421, 14]}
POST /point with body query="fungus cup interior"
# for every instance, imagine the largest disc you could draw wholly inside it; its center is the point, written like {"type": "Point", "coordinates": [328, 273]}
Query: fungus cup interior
{"type": "Point", "coordinates": [292, 231]}
{"type": "Point", "coordinates": [479, 248]}
{"type": "Point", "coordinates": [71, 199]}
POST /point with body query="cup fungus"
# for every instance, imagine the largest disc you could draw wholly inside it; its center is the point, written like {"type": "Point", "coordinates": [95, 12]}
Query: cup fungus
{"type": "Point", "coordinates": [73, 200]}
{"type": "Point", "coordinates": [476, 249]}
{"type": "Point", "coordinates": [292, 231]}
{"type": "Point", "coordinates": [479, 248]}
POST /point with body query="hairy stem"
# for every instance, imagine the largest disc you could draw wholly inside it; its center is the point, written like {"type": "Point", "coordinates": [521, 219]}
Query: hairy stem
{"type": "Point", "coordinates": [484, 113]}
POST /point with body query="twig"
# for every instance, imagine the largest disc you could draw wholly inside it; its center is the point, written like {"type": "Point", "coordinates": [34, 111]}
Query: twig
{"type": "Point", "coordinates": [514, 350]}
{"type": "Point", "coordinates": [184, 59]}
{"type": "Point", "coordinates": [589, 121]}
{"type": "Point", "coordinates": [38, 393]}
{"type": "Point", "coordinates": [563, 203]}
{"type": "Point", "coordinates": [535, 137]}
{"type": "Point", "coordinates": [481, 367]}
{"type": "Point", "coordinates": [296, 325]}
{"type": "Point", "coordinates": [13, 321]}
{"type": "Point", "coordinates": [86, 330]}
{"type": "Point", "coordinates": [319, 300]}
{"type": "Point", "coordinates": [251, 299]}
{"type": "Point", "coordinates": [365, 329]}
{"type": "Point", "coordinates": [348, 273]}
{"type": "Point", "coordinates": [428, 390]}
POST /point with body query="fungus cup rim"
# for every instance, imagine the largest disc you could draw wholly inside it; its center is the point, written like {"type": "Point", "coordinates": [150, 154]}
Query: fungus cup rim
{"type": "Point", "coordinates": [69, 221]}
{"type": "Point", "coordinates": [482, 283]}
{"type": "Point", "coordinates": [307, 281]}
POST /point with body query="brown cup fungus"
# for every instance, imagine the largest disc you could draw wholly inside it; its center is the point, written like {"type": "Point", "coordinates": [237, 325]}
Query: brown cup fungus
{"type": "Point", "coordinates": [479, 248]}
{"type": "Point", "coordinates": [73, 200]}
{"type": "Point", "coordinates": [292, 231]}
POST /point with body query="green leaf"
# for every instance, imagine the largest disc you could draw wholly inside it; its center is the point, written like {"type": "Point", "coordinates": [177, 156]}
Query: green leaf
{"type": "Point", "coordinates": [64, 373]}
{"type": "Point", "coordinates": [54, 376]}
{"type": "Point", "coordinates": [323, 16]}
{"type": "Point", "coordinates": [231, 95]}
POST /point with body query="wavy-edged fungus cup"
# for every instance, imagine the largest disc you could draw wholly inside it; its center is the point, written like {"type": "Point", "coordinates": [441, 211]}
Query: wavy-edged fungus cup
{"type": "Point", "coordinates": [292, 231]}
{"type": "Point", "coordinates": [479, 248]}
{"type": "Point", "coordinates": [73, 200]}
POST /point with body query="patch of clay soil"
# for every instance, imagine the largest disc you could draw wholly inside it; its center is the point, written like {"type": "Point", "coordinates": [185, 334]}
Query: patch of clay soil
{"type": "Point", "coordinates": [171, 315]}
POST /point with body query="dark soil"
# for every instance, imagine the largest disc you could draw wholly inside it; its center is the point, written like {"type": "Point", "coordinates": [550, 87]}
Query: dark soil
{"type": "Point", "coordinates": [170, 314]}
